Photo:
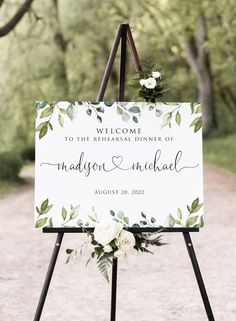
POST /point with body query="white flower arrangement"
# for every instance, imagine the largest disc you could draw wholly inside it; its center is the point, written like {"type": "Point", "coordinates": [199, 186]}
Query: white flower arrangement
{"type": "Point", "coordinates": [150, 86]}
{"type": "Point", "coordinates": [111, 240]}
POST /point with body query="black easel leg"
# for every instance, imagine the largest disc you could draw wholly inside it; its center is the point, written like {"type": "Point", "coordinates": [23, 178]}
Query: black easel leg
{"type": "Point", "coordinates": [113, 290]}
{"type": "Point", "coordinates": [198, 275]}
{"type": "Point", "coordinates": [48, 276]}
{"type": "Point", "coordinates": [123, 60]}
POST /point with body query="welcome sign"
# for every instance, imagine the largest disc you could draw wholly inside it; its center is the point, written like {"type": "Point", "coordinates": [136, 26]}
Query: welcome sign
{"type": "Point", "coordinates": [137, 162]}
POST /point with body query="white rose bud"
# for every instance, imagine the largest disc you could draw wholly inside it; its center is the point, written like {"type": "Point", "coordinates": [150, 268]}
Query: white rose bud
{"type": "Point", "coordinates": [142, 82]}
{"type": "Point", "coordinates": [156, 74]}
{"type": "Point", "coordinates": [106, 231]}
{"type": "Point", "coordinates": [107, 249]}
{"type": "Point", "coordinates": [125, 241]}
{"type": "Point", "coordinates": [119, 254]}
{"type": "Point", "coordinates": [150, 83]}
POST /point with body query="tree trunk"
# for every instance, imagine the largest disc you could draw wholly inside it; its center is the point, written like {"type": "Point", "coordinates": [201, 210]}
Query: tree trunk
{"type": "Point", "coordinates": [206, 97]}
{"type": "Point", "coordinates": [199, 61]}
{"type": "Point", "coordinates": [60, 75]}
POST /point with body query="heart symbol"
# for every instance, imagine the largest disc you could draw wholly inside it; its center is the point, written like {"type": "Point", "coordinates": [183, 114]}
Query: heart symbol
{"type": "Point", "coordinates": [117, 160]}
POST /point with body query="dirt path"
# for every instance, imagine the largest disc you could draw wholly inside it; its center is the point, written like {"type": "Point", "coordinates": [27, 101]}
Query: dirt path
{"type": "Point", "coordinates": [158, 287]}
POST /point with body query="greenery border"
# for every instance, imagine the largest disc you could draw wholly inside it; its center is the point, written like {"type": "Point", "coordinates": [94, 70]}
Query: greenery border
{"type": "Point", "coordinates": [47, 109]}
{"type": "Point", "coordinates": [68, 215]}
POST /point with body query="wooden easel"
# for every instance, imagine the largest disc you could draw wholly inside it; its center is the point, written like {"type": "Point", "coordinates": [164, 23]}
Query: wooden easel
{"type": "Point", "coordinates": [123, 35]}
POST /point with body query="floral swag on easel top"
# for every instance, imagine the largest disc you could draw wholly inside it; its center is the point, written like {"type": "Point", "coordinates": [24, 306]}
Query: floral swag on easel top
{"type": "Point", "coordinates": [150, 85]}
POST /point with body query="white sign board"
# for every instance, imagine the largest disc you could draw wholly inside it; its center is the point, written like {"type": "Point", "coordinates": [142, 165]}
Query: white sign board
{"type": "Point", "coordinates": [139, 162]}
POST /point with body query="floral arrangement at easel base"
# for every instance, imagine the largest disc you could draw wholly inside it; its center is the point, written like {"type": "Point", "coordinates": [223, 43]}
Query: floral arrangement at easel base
{"type": "Point", "coordinates": [110, 240]}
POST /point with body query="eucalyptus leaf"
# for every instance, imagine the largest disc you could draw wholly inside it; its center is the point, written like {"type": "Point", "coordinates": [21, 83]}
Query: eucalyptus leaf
{"type": "Point", "coordinates": [191, 220]}
{"type": "Point", "coordinates": [40, 126]}
{"type": "Point", "coordinates": [47, 112]}
{"type": "Point", "coordinates": [135, 119]}
{"type": "Point", "coordinates": [125, 117]}
{"type": "Point", "coordinates": [63, 111]}
{"type": "Point", "coordinates": [126, 220]}
{"type": "Point", "coordinates": [178, 118]}
{"type": "Point", "coordinates": [198, 109]}
{"type": "Point", "coordinates": [92, 218]}
{"type": "Point", "coordinates": [195, 203]}
{"type": "Point", "coordinates": [195, 121]}
{"type": "Point", "coordinates": [43, 131]}
{"type": "Point", "coordinates": [112, 212]}
{"type": "Point", "coordinates": [143, 222]}
{"type": "Point", "coordinates": [42, 104]}
{"type": "Point", "coordinates": [89, 111]}
{"type": "Point", "coordinates": [197, 208]}
{"type": "Point", "coordinates": [44, 205]}
{"type": "Point", "coordinates": [143, 215]}
{"type": "Point", "coordinates": [108, 103]}
{"type": "Point", "coordinates": [70, 111]}
{"type": "Point", "coordinates": [153, 220]}
{"type": "Point", "coordinates": [158, 112]}
{"type": "Point", "coordinates": [75, 212]}
{"type": "Point", "coordinates": [50, 126]}
{"type": "Point", "coordinates": [179, 213]}
{"type": "Point", "coordinates": [134, 109]}
{"type": "Point", "coordinates": [198, 126]}
{"type": "Point", "coordinates": [120, 215]}
{"type": "Point", "coordinates": [47, 209]}
{"type": "Point", "coordinates": [166, 120]}
{"type": "Point", "coordinates": [100, 110]}
{"type": "Point", "coordinates": [50, 222]}
{"type": "Point", "coordinates": [192, 108]}
{"type": "Point", "coordinates": [41, 222]}
{"type": "Point", "coordinates": [61, 120]}
{"type": "Point", "coordinates": [64, 213]}
{"type": "Point", "coordinates": [171, 221]}
{"type": "Point", "coordinates": [119, 110]}
{"type": "Point", "coordinates": [178, 222]}
{"type": "Point", "coordinates": [99, 118]}
{"type": "Point", "coordinates": [202, 221]}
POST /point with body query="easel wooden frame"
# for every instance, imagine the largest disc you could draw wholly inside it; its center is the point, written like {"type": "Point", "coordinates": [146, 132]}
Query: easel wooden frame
{"type": "Point", "coordinates": [123, 35]}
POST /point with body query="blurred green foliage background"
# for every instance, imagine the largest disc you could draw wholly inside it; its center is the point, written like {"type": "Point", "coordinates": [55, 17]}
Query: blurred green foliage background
{"type": "Point", "coordinates": [58, 51]}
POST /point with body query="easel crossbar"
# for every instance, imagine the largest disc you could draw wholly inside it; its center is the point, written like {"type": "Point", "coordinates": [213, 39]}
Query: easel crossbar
{"type": "Point", "coordinates": [131, 229]}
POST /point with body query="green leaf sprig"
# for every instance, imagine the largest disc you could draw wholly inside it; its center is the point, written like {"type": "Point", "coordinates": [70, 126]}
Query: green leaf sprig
{"type": "Point", "coordinates": [128, 113]}
{"type": "Point", "coordinates": [192, 219]}
{"type": "Point", "coordinates": [42, 211]}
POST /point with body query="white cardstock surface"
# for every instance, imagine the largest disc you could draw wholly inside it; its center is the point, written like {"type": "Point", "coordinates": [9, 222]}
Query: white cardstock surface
{"type": "Point", "coordinates": [139, 162]}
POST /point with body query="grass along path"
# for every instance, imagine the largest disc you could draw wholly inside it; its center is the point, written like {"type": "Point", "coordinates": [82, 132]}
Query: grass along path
{"type": "Point", "coordinates": [221, 151]}
{"type": "Point", "coordinates": [7, 187]}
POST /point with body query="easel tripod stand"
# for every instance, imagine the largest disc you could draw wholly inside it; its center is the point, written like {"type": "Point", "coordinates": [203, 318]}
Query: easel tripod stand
{"type": "Point", "coordinates": [123, 36]}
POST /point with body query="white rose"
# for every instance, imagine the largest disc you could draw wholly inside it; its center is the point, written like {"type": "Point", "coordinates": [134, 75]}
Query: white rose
{"type": "Point", "coordinates": [107, 249]}
{"type": "Point", "coordinates": [150, 83]}
{"type": "Point", "coordinates": [125, 241]}
{"type": "Point", "coordinates": [142, 82]}
{"type": "Point", "coordinates": [106, 231]}
{"type": "Point", "coordinates": [119, 253]}
{"type": "Point", "coordinates": [156, 74]}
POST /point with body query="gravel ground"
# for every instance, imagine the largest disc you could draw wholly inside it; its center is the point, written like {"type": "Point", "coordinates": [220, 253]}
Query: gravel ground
{"type": "Point", "coordinates": [157, 287]}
